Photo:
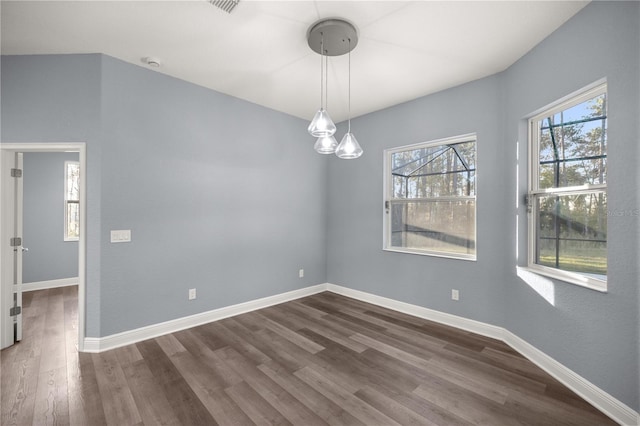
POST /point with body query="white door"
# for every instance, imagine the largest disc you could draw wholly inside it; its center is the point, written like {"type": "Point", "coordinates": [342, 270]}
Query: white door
{"type": "Point", "coordinates": [11, 249]}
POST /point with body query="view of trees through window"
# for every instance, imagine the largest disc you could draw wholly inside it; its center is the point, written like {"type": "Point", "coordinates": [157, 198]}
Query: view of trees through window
{"type": "Point", "coordinates": [571, 205]}
{"type": "Point", "coordinates": [432, 202]}
{"type": "Point", "coordinates": [72, 201]}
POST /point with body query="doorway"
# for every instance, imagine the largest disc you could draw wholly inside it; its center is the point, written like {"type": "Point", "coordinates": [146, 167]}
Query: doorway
{"type": "Point", "coordinates": [10, 287]}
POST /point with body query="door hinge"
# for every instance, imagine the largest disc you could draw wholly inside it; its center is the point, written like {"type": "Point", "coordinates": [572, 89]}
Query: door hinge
{"type": "Point", "coordinates": [16, 173]}
{"type": "Point", "coordinates": [15, 242]}
{"type": "Point", "coordinates": [16, 310]}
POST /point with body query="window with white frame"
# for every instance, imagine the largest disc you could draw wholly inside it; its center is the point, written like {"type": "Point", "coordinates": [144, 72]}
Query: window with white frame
{"type": "Point", "coordinates": [567, 198]}
{"type": "Point", "coordinates": [430, 198]}
{"type": "Point", "coordinates": [71, 201]}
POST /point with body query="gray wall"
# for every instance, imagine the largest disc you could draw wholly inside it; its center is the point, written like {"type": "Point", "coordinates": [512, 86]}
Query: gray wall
{"type": "Point", "coordinates": [49, 256]}
{"type": "Point", "coordinates": [594, 334]}
{"type": "Point", "coordinates": [356, 258]}
{"type": "Point", "coordinates": [220, 194]}
{"type": "Point", "coordinates": [57, 99]}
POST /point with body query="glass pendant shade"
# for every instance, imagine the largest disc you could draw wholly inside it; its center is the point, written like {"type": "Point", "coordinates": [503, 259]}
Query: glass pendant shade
{"type": "Point", "coordinates": [321, 125]}
{"type": "Point", "coordinates": [349, 147]}
{"type": "Point", "coordinates": [326, 145]}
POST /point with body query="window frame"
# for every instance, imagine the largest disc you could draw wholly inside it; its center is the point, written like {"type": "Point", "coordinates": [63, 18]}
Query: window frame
{"type": "Point", "coordinates": [388, 197]}
{"type": "Point", "coordinates": [533, 190]}
{"type": "Point", "coordinates": [67, 201]}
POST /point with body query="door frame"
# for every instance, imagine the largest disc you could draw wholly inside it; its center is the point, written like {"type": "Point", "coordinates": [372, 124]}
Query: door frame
{"type": "Point", "coordinates": [80, 148]}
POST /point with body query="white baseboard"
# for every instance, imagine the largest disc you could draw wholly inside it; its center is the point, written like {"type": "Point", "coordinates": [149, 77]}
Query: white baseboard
{"type": "Point", "coordinates": [421, 312]}
{"type": "Point", "coordinates": [600, 399]}
{"type": "Point", "coordinates": [100, 344]}
{"type": "Point", "coordinates": [42, 285]}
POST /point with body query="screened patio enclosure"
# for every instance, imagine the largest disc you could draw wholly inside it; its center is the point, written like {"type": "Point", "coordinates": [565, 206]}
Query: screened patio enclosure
{"type": "Point", "coordinates": [433, 199]}
{"type": "Point", "coordinates": [570, 196]}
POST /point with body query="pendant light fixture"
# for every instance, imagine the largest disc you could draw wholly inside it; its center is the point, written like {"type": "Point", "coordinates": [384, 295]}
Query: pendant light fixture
{"type": "Point", "coordinates": [326, 144]}
{"type": "Point", "coordinates": [321, 126]}
{"type": "Point", "coordinates": [349, 147]}
{"type": "Point", "coordinates": [332, 37]}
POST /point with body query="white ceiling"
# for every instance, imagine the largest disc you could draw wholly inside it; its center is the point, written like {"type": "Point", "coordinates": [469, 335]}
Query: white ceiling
{"type": "Point", "coordinates": [259, 52]}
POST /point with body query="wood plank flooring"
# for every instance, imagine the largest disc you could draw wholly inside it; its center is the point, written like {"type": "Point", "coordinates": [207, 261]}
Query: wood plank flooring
{"type": "Point", "coordinates": [323, 359]}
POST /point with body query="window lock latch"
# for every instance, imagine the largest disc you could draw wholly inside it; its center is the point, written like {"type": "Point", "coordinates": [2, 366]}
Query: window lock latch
{"type": "Point", "coordinates": [528, 200]}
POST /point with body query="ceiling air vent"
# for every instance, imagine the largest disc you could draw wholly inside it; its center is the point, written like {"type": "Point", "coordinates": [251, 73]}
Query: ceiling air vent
{"type": "Point", "coordinates": [226, 5]}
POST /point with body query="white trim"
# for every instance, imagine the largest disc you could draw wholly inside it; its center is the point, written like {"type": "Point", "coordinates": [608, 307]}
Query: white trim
{"type": "Point", "coordinates": [43, 285]}
{"type": "Point", "coordinates": [388, 198]}
{"type": "Point", "coordinates": [422, 312]}
{"type": "Point", "coordinates": [81, 149]}
{"type": "Point", "coordinates": [7, 230]}
{"type": "Point", "coordinates": [100, 344]}
{"type": "Point", "coordinates": [446, 255]}
{"type": "Point", "coordinates": [572, 99]}
{"type": "Point", "coordinates": [583, 280]}
{"type": "Point", "coordinates": [573, 190]}
{"type": "Point", "coordinates": [467, 137]}
{"type": "Point", "coordinates": [533, 191]}
{"type": "Point", "coordinates": [600, 399]}
{"type": "Point", "coordinates": [19, 227]}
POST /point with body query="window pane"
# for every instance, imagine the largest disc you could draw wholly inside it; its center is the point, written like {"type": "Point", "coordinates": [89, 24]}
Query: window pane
{"type": "Point", "coordinates": [573, 145]}
{"type": "Point", "coordinates": [441, 185]}
{"type": "Point", "coordinates": [444, 226]}
{"type": "Point", "coordinates": [73, 220]}
{"type": "Point", "coordinates": [572, 232]}
{"type": "Point", "coordinates": [399, 187]}
{"type": "Point", "coordinates": [407, 162]}
{"type": "Point", "coordinates": [435, 171]}
{"type": "Point", "coordinates": [73, 179]}
{"type": "Point", "coordinates": [72, 200]}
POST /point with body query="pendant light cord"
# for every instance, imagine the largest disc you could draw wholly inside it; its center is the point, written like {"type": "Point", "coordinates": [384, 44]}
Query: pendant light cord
{"type": "Point", "coordinates": [321, 70]}
{"type": "Point", "coordinates": [326, 83]}
{"type": "Point", "coordinates": [349, 130]}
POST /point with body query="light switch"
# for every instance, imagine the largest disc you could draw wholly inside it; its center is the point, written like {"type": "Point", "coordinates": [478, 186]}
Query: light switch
{"type": "Point", "coordinates": [121, 236]}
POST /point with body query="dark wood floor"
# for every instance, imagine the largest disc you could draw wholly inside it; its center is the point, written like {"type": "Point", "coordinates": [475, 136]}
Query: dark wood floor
{"type": "Point", "coordinates": [324, 359]}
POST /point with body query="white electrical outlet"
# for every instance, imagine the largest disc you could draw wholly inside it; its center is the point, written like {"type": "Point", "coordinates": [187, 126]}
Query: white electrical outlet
{"type": "Point", "coordinates": [455, 294]}
{"type": "Point", "coordinates": [301, 273]}
{"type": "Point", "coordinates": [192, 293]}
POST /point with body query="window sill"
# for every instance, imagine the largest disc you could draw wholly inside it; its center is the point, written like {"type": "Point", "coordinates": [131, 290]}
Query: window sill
{"type": "Point", "coordinates": [432, 253]}
{"type": "Point", "coordinates": [586, 281]}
